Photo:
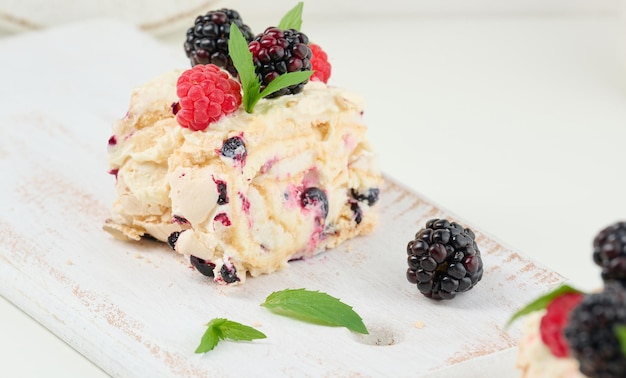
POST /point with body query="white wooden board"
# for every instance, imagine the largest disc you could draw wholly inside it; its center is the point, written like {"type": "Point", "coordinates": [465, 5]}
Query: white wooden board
{"type": "Point", "coordinates": [138, 309]}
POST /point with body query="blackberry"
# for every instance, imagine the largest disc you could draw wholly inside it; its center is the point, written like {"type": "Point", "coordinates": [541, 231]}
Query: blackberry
{"type": "Point", "coordinates": [592, 333]}
{"type": "Point", "coordinates": [276, 52]}
{"type": "Point", "coordinates": [203, 266]}
{"type": "Point", "coordinates": [207, 39]}
{"type": "Point", "coordinates": [222, 190]}
{"type": "Point", "coordinates": [229, 275]}
{"type": "Point", "coordinates": [315, 197]}
{"type": "Point", "coordinates": [234, 148]}
{"type": "Point", "coordinates": [173, 238]}
{"type": "Point", "coordinates": [358, 213]}
{"type": "Point", "coordinates": [443, 259]}
{"type": "Point", "coordinates": [371, 196]}
{"type": "Point", "coordinates": [609, 252]}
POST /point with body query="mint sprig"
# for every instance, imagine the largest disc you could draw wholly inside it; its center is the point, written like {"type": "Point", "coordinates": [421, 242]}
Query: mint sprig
{"type": "Point", "coordinates": [620, 331]}
{"type": "Point", "coordinates": [542, 302]}
{"type": "Point", "coordinates": [222, 329]}
{"type": "Point", "coordinates": [293, 18]}
{"type": "Point", "coordinates": [314, 307]}
{"type": "Point", "coordinates": [242, 60]}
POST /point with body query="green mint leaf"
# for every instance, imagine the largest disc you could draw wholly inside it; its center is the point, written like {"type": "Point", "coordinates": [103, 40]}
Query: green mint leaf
{"type": "Point", "coordinates": [542, 302]}
{"type": "Point", "coordinates": [293, 18]}
{"type": "Point", "coordinates": [285, 80]}
{"type": "Point", "coordinates": [239, 332]}
{"type": "Point", "coordinates": [242, 60]}
{"type": "Point", "coordinates": [222, 329]}
{"type": "Point", "coordinates": [621, 337]}
{"type": "Point", "coordinates": [314, 307]}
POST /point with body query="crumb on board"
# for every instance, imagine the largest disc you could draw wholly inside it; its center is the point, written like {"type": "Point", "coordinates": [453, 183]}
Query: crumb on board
{"type": "Point", "coordinates": [69, 262]}
{"type": "Point", "coordinates": [419, 325]}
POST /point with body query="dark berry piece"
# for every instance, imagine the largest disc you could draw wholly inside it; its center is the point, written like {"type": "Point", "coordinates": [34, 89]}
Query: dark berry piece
{"type": "Point", "coordinates": [592, 336]}
{"type": "Point", "coordinates": [207, 39]}
{"type": "Point", "coordinates": [180, 220]}
{"type": "Point", "coordinates": [358, 213]}
{"type": "Point", "coordinates": [222, 198]}
{"type": "Point", "coordinates": [202, 266]}
{"type": "Point", "coordinates": [315, 198]}
{"type": "Point", "coordinates": [371, 196]}
{"type": "Point", "coordinates": [112, 140]}
{"type": "Point", "coordinates": [173, 238]}
{"type": "Point", "coordinates": [234, 148]}
{"type": "Point", "coordinates": [229, 275]}
{"type": "Point", "coordinates": [275, 52]}
{"type": "Point", "coordinates": [444, 259]}
{"type": "Point", "coordinates": [609, 252]}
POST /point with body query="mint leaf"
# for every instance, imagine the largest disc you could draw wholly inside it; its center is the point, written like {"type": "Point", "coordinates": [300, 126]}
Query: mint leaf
{"type": "Point", "coordinates": [314, 307]}
{"type": "Point", "coordinates": [293, 18]}
{"type": "Point", "coordinates": [222, 329]}
{"type": "Point", "coordinates": [542, 302]}
{"type": "Point", "coordinates": [285, 80]}
{"type": "Point", "coordinates": [242, 60]}
{"type": "Point", "coordinates": [621, 337]}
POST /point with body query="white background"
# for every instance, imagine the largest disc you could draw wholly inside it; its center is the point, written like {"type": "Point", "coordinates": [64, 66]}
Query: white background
{"type": "Point", "coordinates": [510, 114]}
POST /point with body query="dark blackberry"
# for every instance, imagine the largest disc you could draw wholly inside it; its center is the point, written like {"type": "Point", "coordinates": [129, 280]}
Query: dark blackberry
{"type": "Point", "coordinates": [222, 190]}
{"type": "Point", "coordinates": [234, 148]}
{"type": "Point", "coordinates": [314, 197]}
{"type": "Point", "coordinates": [276, 52]}
{"type": "Point", "coordinates": [172, 239]}
{"type": "Point", "coordinates": [207, 39]}
{"type": "Point", "coordinates": [203, 266]}
{"type": "Point", "coordinates": [371, 196]}
{"type": "Point", "coordinates": [358, 213]}
{"type": "Point", "coordinates": [444, 259]}
{"type": "Point", "coordinates": [609, 252]}
{"type": "Point", "coordinates": [592, 333]}
{"type": "Point", "coordinates": [229, 275]}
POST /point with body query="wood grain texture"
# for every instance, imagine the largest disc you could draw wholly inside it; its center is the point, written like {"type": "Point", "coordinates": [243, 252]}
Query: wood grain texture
{"type": "Point", "coordinates": [138, 309]}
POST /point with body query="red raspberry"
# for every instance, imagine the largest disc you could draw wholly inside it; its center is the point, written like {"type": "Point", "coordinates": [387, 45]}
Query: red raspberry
{"type": "Point", "coordinates": [320, 64]}
{"type": "Point", "coordinates": [555, 320]}
{"type": "Point", "coordinates": [206, 93]}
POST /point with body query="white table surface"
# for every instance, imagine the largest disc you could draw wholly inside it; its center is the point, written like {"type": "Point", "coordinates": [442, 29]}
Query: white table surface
{"type": "Point", "coordinates": [516, 124]}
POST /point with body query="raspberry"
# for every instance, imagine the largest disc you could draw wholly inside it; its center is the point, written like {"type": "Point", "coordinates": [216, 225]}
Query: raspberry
{"type": "Point", "coordinates": [320, 64]}
{"type": "Point", "coordinates": [591, 333]}
{"type": "Point", "coordinates": [555, 319]}
{"type": "Point", "coordinates": [443, 259]}
{"type": "Point", "coordinates": [206, 93]}
{"type": "Point", "coordinates": [609, 252]}
{"type": "Point", "coordinates": [275, 52]}
{"type": "Point", "coordinates": [207, 40]}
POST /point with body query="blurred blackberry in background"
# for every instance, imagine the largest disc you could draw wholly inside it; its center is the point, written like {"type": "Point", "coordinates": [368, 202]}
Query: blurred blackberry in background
{"type": "Point", "coordinates": [609, 252]}
{"type": "Point", "coordinates": [207, 40]}
{"type": "Point", "coordinates": [592, 332]}
{"type": "Point", "coordinates": [444, 259]}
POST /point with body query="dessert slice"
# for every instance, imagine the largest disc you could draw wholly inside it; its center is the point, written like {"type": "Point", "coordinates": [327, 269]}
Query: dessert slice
{"type": "Point", "coordinates": [253, 190]}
